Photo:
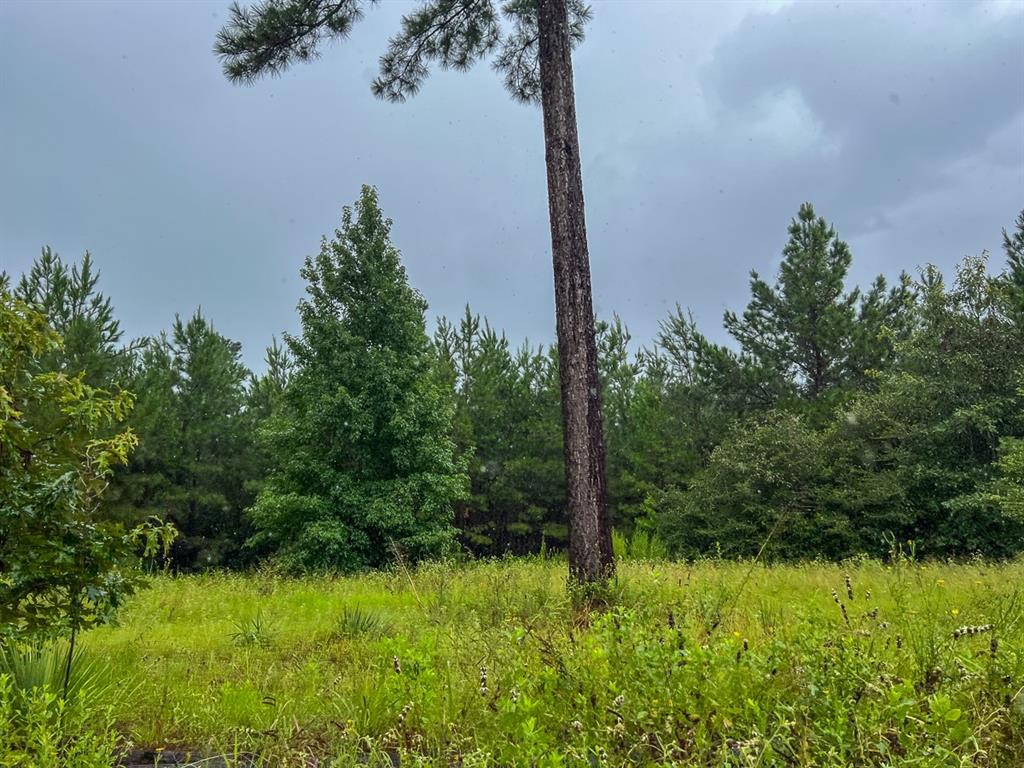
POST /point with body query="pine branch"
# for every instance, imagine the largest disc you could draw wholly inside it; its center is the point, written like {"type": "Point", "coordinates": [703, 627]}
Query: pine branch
{"type": "Point", "coordinates": [267, 38]}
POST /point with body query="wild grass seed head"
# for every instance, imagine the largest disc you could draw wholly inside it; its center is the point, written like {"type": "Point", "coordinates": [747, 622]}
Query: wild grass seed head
{"type": "Point", "coordinates": [967, 631]}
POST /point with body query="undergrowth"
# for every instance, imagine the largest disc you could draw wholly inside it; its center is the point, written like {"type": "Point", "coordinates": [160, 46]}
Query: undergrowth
{"type": "Point", "coordinates": [491, 664]}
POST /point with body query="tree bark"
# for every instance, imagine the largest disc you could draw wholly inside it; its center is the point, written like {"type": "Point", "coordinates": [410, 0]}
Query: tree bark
{"type": "Point", "coordinates": [590, 544]}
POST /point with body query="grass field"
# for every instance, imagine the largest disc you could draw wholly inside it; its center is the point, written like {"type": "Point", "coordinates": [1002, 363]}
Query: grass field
{"type": "Point", "coordinates": [715, 664]}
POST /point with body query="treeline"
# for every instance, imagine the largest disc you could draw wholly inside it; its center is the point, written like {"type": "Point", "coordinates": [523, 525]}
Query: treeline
{"type": "Point", "coordinates": [838, 421]}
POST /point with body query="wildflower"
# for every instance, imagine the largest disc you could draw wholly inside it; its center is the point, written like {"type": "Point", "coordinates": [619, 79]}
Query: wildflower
{"type": "Point", "coordinates": [955, 611]}
{"type": "Point", "coordinates": [737, 634]}
{"type": "Point", "coordinates": [618, 702]}
{"type": "Point", "coordinates": [940, 582]}
{"type": "Point", "coordinates": [577, 726]}
{"type": "Point", "coordinates": [671, 619]}
{"type": "Point", "coordinates": [397, 664]}
{"type": "Point", "coordinates": [513, 694]}
{"type": "Point", "coordinates": [849, 586]}
{"type": "Point", "coordinates": [483, 681]}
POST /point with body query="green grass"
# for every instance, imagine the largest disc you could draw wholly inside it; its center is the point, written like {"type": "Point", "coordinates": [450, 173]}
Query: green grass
{"type": "Point", "coordinates": [490, 664]}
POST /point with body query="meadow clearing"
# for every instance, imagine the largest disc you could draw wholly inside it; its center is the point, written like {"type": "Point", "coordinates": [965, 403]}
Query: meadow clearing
{"type": "Point", "coordinates": [490, 663]}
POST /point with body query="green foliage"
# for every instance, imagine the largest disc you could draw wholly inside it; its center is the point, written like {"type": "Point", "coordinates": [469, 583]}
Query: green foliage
{"type": "Point", "coordinates": [267, 389]}
{"type": "Point", "coordinates": [362, 459]}
{"type": "Point", "coordinates": [712, 663]}
{"type": "Point", "coordinates": [806, 329]}
{"type": "Point", "coordinates": [1008, 487]}
{"type": "Point", "coordinates": [253, 632]}
{"type": "Point", "coordinates": [81, 315]}
{"type": "Point", "coordinates": [197, 454]}
{"type": "Point", "coordinates": [938, 418]}
{"type": "Point", "coordinates": [761, 487]}
{"type": "Point", "coordinates": [641, 545]}
{"type": "Point", "coordinates": [507, 428]}
{"type": "Point", "coordinates": [1013, 245]}
{"type": "Point", "coordinates": [929, 453]}
{"type": "Point", "coordinates": [672, 418]}
{"type": "Point", "coordinates": [43, 668]}
{"type": "Point", "coordinates": [274, 34]}
{"type": "Point", "coordinates": [361, 622]}
{"type": "Point", "coordinates": [62, 567]}
{"type": "Point", "coordinates": [38, 729]}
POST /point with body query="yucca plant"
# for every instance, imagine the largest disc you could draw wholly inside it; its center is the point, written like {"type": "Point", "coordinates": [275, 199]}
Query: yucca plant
{"type": "Point", "coordinates": [253, 632]}
{"type": "Point", "coordinates": [361, 622]}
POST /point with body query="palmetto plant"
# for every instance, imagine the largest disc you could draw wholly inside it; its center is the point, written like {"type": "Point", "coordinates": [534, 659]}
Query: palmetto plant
{"type": "Point", "coordinates": [43, 667]}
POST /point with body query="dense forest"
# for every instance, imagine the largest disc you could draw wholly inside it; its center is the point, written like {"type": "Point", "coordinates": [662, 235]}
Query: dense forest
{"type": "Point", "coordinates": [838, 420]}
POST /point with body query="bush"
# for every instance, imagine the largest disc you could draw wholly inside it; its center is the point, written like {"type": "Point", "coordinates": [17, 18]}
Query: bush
{"type": "Point", "coordinates": [763, 484]}
{"type": "Point", "coordinates": [39, 729]}
{"type": "Point", "coordinates": [640, 545]}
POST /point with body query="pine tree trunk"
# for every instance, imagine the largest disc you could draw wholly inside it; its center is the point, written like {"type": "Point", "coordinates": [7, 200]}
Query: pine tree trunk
{"type": "Point", "coordinates": [590, 544]}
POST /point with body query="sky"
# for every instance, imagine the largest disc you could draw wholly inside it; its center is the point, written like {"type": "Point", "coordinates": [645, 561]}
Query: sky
{"type": "Point", "coordinates": [703, 127]}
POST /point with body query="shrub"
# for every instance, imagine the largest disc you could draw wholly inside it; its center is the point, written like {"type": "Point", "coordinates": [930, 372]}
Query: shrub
{"type": "Point", "coordinates": [39, 729]}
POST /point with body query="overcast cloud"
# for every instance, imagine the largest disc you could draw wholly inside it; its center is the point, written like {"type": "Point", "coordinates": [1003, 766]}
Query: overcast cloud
{"type": "Point", "coordinates": [703, 127]}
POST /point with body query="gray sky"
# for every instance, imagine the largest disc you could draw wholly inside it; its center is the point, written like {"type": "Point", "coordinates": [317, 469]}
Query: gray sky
{"type": "Point", "coordinates": [703, 127]}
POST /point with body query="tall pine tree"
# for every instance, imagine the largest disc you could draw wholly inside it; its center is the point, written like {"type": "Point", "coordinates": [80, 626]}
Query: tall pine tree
{"type": "Point", "coordinates": [1013, 245]}
{"type": "Point", "coordinates": [507, 427]}
{"type": "Point", "coordinates": [813, 334]}
{"type": "Point", "coordinates": [196, 454]}
{"type": "Point", "coordinates": [68, 295]}
{"type": "Point", "coordinates": [533, 50]}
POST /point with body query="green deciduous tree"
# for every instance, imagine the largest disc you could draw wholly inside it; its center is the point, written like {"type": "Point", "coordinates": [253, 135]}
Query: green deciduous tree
{"type": "Point", "coordinates": [62, 567]}
{"type": "Point", "coordinates": [762, 487]}
{"type": "Point", "coordinates": [532, 50]}
{"type": "Point", "coordinates": [930, 452]}
{"type": "Point", "coordinates": [362, 458]}
{"type": "Point", "coordinates": [940, 417]}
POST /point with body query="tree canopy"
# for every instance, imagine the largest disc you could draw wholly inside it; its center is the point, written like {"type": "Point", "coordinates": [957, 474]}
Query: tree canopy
{"type": "Point", "coordinates": [363, 461]}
